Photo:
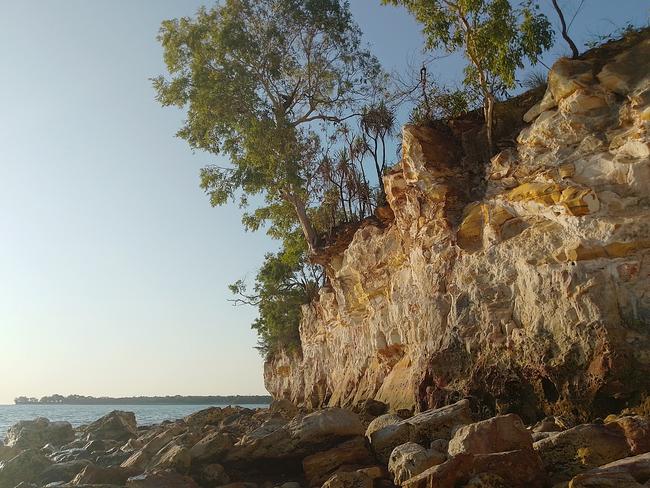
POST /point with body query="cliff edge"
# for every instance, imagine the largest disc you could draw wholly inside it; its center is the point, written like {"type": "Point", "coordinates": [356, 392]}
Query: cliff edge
{"type": "Point", "coordinates": [523, 283]}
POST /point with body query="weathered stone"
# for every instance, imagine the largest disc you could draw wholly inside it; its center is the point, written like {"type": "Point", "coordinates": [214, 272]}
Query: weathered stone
{"type": "Point", "coordinates": [580, 449]}
{"type": "Point", "coordinates": [7, 452]}
{"type": "Point", "coordinates": [410, 459]}
{"type": "Point", "coordinates": [161, 479]}
{"type": "Point", "coordinates": [34, 434]}
{"type": "Point", "coordinates": [381, 422]}
{"type": "Point", "coordinates": [174, 457]}
{"type": "Point", "coordinates": [569, 75]}
{"type": "Point", "coordinates": [214, 474]}
{"type": "Point", "coordinates": [319, 466]}
{"type": "Point", "coordinates": [212, 445]}
{"type": "Point", "coordinates": [302, 436]}
{"type": "Point", "coordinates": [422, 428]}
{"type": "Point", "coordinates": [636, 430]}
{"type": "Point", "coordinates": [26, 466]}
{"type": "Point", "coordinates": [97, 475]}
{"type": "Point", "coordinates": [353, 479]}
{"type": "Point", "coordinates": [629, 71]}
{"type": "Point", "coordinates": [63, 471]}
{"type": "Point", "coordinates": [631, 472]}
{"type": "Point", "coordinates": [517, 469]}
{"type": "Point", "coordinates": [498, 434]}
{"type": "Point", "coordinates": [117, 425]}
{"type": "Point", "coordinates": [424, 309]}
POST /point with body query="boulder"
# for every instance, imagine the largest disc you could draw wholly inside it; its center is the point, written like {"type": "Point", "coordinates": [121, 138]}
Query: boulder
{"type": "Point", "coordinates": [174, 457]}
{"type": "Point", "coordinates": [6, 452]}
{"type": "Point", "coordinates": [212, 445]}
{"type": "Point", "coordinates": [498, 434]}
{"type": "Point", "coordinates": [410, 459]}
{"type": "Point", "coordinates": [369, 409]}
{"type": "Point", "coordinates": [636, 430]}
{"type": "Point", "coordinates": [160, 440]}
{"type": "Point", "coordinates": [580, 449]}
{"type": "Point", "coordinates": [209, 416]}
{"type": "Point", "coordinates": [569, 75]}
{"type": "Point", "coordinates": [631, 472]}
{"type": "Point", "coordinates": [517, 469]}
{"type": "Point", "coordinates": [97, 475]}
{"type": "Point", "coordinates": [63, 471]}
{"type": "Point", "coordinates": [283, 407]}
{"type": "Point", "coordinates": [161, 479]}
{"type": "Point", "coordinates": [382, 421]}
{"type": "Point", "coordinates": [353, 479]}
{"type": "Point", "coordinates": [26, 466]}
{"type": "Point", "coordinates": [422, 428]}
{"type": "Point", "coordinates": [301, 437]}
{"type": "Point", "coordinates": [138, 461]}
{"type": "Point", "coordinates": [318, 467]}
{"type": "Point", "coordinates": [117, 426]}
{"type": "Point", "coordinates": [549, 424]}
{"type": "Point", "coordinates": [214, 475]}
{"type": "Point", "coordinates": [34, 434]}
{"type": "Point", "coordinates": [628, 71]}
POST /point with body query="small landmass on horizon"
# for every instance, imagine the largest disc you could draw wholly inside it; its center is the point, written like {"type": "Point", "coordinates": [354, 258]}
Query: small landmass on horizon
{"type": "Point", "coordinates": [146, 400]}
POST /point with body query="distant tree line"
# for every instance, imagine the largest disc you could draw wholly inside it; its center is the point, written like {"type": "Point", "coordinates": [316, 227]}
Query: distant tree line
{"type": "Point", "coordinates": [146, 400]}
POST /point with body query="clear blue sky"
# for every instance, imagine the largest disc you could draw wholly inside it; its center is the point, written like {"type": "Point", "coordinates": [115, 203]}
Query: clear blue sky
{"type": "Point", "coordinates": [113, 266]}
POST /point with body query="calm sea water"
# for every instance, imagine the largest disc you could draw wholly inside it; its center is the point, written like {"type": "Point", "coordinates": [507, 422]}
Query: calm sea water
{"type": "Point", "coordinates": [84, 414]}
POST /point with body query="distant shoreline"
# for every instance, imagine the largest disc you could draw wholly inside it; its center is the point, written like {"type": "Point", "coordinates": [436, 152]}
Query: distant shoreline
{"type": "Point", "coordinates": [167, 400]}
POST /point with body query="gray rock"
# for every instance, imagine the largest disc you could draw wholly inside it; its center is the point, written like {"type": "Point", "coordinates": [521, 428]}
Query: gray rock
{"type": "Point", "coordinates": [34, 434]}
{"type": "Point", "coordinates": [117, 426]}
{"type": "Point", "coordinates": [26, 466]}
{"type": "Point", "coordinates": [64, 472]}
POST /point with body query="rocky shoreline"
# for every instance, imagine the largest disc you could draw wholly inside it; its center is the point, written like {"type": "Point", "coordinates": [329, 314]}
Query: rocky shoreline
{"type": "Point", "coordinates": [364, 447]}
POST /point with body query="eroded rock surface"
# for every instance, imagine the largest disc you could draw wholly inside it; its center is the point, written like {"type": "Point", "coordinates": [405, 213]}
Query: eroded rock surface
{"type": "Point", "coordinates": [524, 282]}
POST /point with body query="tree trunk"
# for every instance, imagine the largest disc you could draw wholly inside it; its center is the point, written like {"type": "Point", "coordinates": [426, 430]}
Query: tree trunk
{"type": "Point", "coordinates": [305, 223]}
{"type": "Point", "coordinates": [565, 34]}
{"type": "Point", "coordinates": [488, 111]}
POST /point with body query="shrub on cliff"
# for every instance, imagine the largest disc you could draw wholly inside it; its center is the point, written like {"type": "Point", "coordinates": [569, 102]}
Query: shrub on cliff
{"type": "Point", "coordinates": [495, 38]}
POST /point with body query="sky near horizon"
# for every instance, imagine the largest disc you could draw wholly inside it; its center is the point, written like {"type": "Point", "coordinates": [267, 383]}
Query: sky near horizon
{"type": "Point", "coordinates": [113, 266]}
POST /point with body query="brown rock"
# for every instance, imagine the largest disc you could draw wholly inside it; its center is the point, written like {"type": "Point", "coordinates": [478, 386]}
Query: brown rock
{"type": "Point", "coordinates": [637, 432]}
{"type": "Point", "coordinates": [318, 467]}
{"type": "Point", "coordinates": [580, 449]}
{"type": "Point", "coordinates": [117, 426]}
{"type": "Point", "coordinates": [422, 428]}
{"type": "Point", "coordinates": [212, 445]}
{"type": "Point", "coordinates": [161, 479]}
{"type": "Point", "coordinates": [517, 469]}
{"type": "Point", "coordinates": [498, 434]}
{"type": "Point", "coordinates": [354, 479]}
{"type": "Point", "coordinates": [174, 457]}
{"type": "Point", "coordinates": [631, 472]}
{"type": "Point", "coordinates": [97, 475]}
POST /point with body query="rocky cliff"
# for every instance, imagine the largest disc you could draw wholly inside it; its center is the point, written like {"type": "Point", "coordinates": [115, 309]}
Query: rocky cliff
{"type": "Point", "coordinates": [523, 283]}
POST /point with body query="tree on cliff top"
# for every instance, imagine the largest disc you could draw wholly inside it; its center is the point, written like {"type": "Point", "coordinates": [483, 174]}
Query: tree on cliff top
{"type": "Point", "coordinates": [257, 77]}
{"type": "Point", "coordinates": [495, 38]}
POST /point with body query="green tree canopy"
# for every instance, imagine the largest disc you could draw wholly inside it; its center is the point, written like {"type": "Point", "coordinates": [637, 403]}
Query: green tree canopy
{"type": "Point", "coordinates": [495, 37]}
{"type": "Point", "coordinates": [257, 77]}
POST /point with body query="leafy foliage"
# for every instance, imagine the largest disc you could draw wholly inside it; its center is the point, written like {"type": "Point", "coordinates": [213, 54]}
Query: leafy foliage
{"type": "Point", "coordinates": [442, 102]}
{"type": "Point", "coordinates": [256, 78]}
{"type": "Point", "coordinates": [495, 38]}
{"type": "Point", "coordinates": [264, 82]}
{"type": "Point", "coordinates": [285, 282]}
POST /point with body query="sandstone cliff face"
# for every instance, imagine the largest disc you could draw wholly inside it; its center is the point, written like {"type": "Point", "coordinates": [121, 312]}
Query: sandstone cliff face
{"type": "Point", "coordinates": [529, 291]}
